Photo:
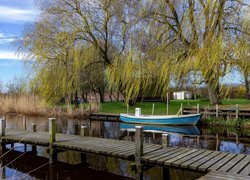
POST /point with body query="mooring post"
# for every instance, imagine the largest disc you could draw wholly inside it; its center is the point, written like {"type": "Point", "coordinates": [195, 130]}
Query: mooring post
{"type": "Point", "coordinates": [2, 127]}
{"type": "Point", "coordinates": [138, 151]}
{"type": "Point", "coordinates": [5, 117]}
{"type": "Point", "coordinates": [33, 127]}
{"type": "Point", "coordinates": [165, 140]}
{"type": "Point", "coordinates": [52, 130]}
{"type": "Point", "coordinates": [138, 143]}
{"type": "Point", "coordinates": [237, 111]}
{"type": "Point", "coordinates": [198, 108]}
{"type": "Point", "coordinates": [217, 110]}
{"type": "Point", "coordinates": [24, 122]}
{"type": "Point", "coordinates": [181, 109]}
{"type": "Point", "coordinates": [84, 131]}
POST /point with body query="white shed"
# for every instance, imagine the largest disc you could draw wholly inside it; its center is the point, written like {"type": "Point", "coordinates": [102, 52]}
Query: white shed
{"type": "Point", "coordinates": [181, 95]}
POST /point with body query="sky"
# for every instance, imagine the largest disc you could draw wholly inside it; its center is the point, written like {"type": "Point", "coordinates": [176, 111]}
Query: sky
{"type": "Point", "coordinates": [14, 15]}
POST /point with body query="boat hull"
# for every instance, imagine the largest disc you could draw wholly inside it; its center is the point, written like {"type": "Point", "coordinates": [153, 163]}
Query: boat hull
{"type": "Point", "coordinates": [161, 120]}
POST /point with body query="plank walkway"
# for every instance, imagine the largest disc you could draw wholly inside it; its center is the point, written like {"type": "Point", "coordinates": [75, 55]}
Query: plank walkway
{"type": "Point", "coordinates": [181, 157]}
{"type": "Point", "coordinates": [110, 147]}
{"type": "Point", "coordinates": [201, 160]}
{"type": "Point", "coordinates": [223, 176]}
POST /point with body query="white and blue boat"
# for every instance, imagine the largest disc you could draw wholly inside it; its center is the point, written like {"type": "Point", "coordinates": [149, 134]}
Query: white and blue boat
{"type": "Point", "coordinates": [187, 119]}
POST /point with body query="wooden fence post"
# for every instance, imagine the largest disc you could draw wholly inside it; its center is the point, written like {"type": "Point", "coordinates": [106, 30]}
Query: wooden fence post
{"type": "Point", "coordinates": [24, 122]}
{"type": "Point", "coordinates": [217, 110]}
{"type": "Point", "coordinates": [2, 127]}
{"type": "Point", "coordinates": [83, 131]}
{"type": "Point", "coordinates": [52, 130]}
{"type": "Point", "coordinates": [181, 109]}
{"type": "Point", "coordinates": [237, 111]}
{"type": "Point", "coordinates": [198, 108]}
{"type": "Point", "coordinates": [165, 140]}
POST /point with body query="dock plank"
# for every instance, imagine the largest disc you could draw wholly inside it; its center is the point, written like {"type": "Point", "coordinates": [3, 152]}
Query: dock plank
{"type": "Point", "coordinates": [221, 162]}
{"type": "Point", "coordinates": [196, 164]}
{"type": "Point", "coordinates": [170, 161]}
{"type": "Point", "coordinates": [184, 159]}
{"type": "Point", "coordinates": [240, 165]}
{"type": "Point", "coordinates": [196, 158]}
{"type": "Point", "coordinates": [230, 164]}
{"type": "Point", "coordinates": [212, 161]}
{"type": "Point", "coordinates": [223, 176]}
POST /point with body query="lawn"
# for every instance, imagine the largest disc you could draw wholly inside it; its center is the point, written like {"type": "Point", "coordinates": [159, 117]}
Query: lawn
{"type": "Point", "coordinates": [174, 106]}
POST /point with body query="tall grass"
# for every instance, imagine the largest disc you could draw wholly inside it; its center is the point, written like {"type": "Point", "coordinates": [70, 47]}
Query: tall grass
{"type": "Point", "coordinates": [33, 105]}
{"type": "Point", "coordinates": [24, 104]}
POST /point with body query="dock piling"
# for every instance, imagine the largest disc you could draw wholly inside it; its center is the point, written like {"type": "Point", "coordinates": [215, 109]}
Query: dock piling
{"type": "Point", "coordinates": [165, 140]}
{"type": "Point", "coordinates": [2, 127]}
{"type": "Point", "coordinates": [24, 122]}
{"type": "Point", "coordinates": [84, 131]}
{"type": "Point", "coordinates": [138, 143]}
{"type": "Point", "coordinates": [52, 130]}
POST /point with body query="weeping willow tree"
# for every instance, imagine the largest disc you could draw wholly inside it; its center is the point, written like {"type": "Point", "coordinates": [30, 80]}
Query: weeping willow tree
{"type": "Point", "coordinates": [196, 37]}
{"type": "Point", "coordinates": [136, 44]}
{"type": "Point", "coordinates": [72, 43]}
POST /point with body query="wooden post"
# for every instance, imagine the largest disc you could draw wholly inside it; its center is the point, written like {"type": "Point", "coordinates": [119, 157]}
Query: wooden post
{"type": "Point", "coordinates": [198, 141]}
{"type": "Point", "coordinates": [52, 130]}
{"type": "Point", "coordinates": [217, 142]}
{"type": "Point", "coordinates": [33, 127]}
{"type": "Point", "coordinates": [167, 102]}
{"type": "Point", "coordinates": [24, 122]}
{"type": "Point", "coordinates": [153, 108]}
{"type": "Point", "coordinates": [217, 110]}
{"type": "Point", "coordinates": [165, 140]}
{"type": "Point", "coordinates": [237, 111]}
{"type": "Point", "coordinates": [138, 144]}
{"type": "Point", "coordinates": [2, 127]}
{"type": "Point", "coordinates": [5, 117]}
{"type": "Point", "coordinates": [127, 108]}
{"type": "Point", "coordinates": [181, 109]}
{"type": "Point", "coordinates": [83, 131]}
{"type": "Point", "coordinates": [198, 108]}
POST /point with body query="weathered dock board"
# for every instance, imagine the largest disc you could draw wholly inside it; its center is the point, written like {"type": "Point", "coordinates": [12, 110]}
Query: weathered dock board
{"type": "Point", "coordinates": [188, 158]}
{"type": "Point", "coordinates": [201, 160]}
{"type": "Point", "coordinates": [223, 176]}
{"type": "Point", "coordinates": [110, 147]}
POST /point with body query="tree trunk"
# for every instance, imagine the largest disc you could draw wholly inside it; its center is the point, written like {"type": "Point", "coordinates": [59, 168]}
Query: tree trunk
{"type": "Point", "coordinates": [101, 94]}
{"type": "Point", "coordinates": [247, 87]}
{"type": "Point", "coordinates": [76, 99]}
{"type": "Point", "coordinates": [213, 95]}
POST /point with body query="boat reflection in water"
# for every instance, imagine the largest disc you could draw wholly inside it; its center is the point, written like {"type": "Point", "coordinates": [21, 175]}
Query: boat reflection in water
{"type": "Point", "coordinates": [187, 130]}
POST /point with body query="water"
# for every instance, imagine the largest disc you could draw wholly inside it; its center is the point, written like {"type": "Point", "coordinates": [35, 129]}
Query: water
{"type": "Point", "coordinates": [69, 162]}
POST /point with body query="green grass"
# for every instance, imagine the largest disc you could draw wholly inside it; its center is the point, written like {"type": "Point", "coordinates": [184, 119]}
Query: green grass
{"type": "Point", "coordinates": [160, 108]}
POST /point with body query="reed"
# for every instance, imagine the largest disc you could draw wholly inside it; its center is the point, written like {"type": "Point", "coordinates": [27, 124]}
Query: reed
{"type": "Point", "coordinates": [23, 104]}
{"type": "Point", "coordinates": [34, 105]}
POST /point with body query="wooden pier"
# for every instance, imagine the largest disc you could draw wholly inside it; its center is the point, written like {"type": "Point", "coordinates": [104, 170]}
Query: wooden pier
{"type": "Point", "coordinates": [105, 117]}
{"type": "Point", "coordinates": [143, 154]}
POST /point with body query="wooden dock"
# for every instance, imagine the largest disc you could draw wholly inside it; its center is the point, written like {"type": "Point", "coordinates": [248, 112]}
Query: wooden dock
{"type": "Point", "coordinates": [143, 154]}
{"type": "Point", "coordinates": [105, 117]}
{"type": "Point", "coordinates": [187, 158]}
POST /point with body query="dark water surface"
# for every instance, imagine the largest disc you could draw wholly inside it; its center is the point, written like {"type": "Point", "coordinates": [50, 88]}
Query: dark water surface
{"type": "Point", "coordinates": [30, 165]}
